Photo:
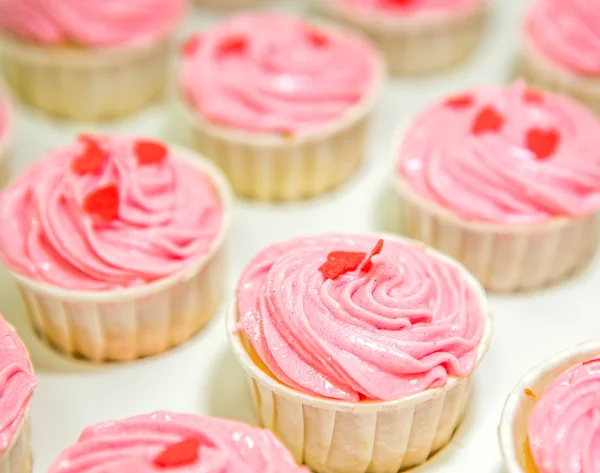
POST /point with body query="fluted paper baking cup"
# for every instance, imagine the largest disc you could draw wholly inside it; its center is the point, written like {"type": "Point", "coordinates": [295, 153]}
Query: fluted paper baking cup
{"type": "Point", "coordinates": [514, 425]}
{"type": "Point", "coordinates": [126, 324]}
{"type": "Point", "coordinates": [543, 73]}
{"type": "Point", "coordinates": [17, 457]}
{"type": "Point", "coordinates": [85, 83]}
{"type": "Point", "coordinates": [417, 45]}
{"type": "Point", "coordinates": [273, 167]}
{"type": "Point", "coordinates": [504, 258]}
{"type": "Point", "coordinates": [332, 436]}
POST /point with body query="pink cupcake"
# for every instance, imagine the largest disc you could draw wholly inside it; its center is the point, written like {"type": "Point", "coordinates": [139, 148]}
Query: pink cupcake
{"type": "Point", "coordinates": [562, 48]}
{"type": "Point", "coordinates": [360, 350]}
{"type": "Point", "coordinates": [117, 245]}
{"type": "Point", "coordinates": [166, 441]}
{"type": "Point", "coordinates": [87, 60]}
{"type": "Point", "coordinates": [506, 180]}
{"type": "Point", "coordinates": [416, 36]}
{"type": "Point", "coordinates": [17, 383]}
{"type": "Point", "coordinates": [281, 105]}
{"type": "Point", "coordinates": [5, 141]}
{"type": "Point", "coordinates": [551, 421]}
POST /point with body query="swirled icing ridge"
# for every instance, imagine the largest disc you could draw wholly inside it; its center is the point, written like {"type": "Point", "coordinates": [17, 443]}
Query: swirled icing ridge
{"type": "Point", "coordinates": [405, 325]}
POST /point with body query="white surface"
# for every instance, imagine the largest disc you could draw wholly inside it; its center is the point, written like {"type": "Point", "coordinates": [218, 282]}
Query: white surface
{"type": "Point", "coordinates": [202, 376]}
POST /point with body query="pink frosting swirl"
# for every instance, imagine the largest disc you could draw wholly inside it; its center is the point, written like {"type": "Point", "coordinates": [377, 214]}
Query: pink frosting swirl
{"type": "Point", "coordinates": [4, 118]}
{"type": "Point", "coordinates": [158, 218]}
{"type": "Point", "coordinates": [505, 155]}
{"type": "Point", "coordinates": [564, 427]}
{"type": "Point", "coordinates": [272, 73]}
{"type": "Point", "coordinates": [568, 32]}
{"type": "Point", "coordinates": [406, 325]}
{"type": "Point", "coordinates": [408, 7]}
{"type": "Point", "coordinates": [16, 384]}
{"type": "Point", "coordinates": [132, 445]}
{"type": "Point", "coordinates": [90, 23]}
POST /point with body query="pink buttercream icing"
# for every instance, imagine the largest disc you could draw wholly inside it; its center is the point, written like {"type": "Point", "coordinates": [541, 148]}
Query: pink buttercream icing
{"type": "Point", "coordinates": [564, 428]}
{"type": "Point", "coordinates": [3, 118]}
{"type": "Point", "coordinates": [16, 384]}
{"type": "Point", "coordinates": [493, 176]}
{"type": "Point", "coordinates": [408, 7]}
{"type": "Point", "coordinates": [169, 215]}
{"type": "Point", "coordinates": [568, 32]}
{"type": "Point", "coordinates": [90, 23]}
{"type": "Point", "coordinates": [404, 326]}
{"type": "Point", "coordinates": [268, 72]}
{"type": "Point", "coordinates": [131, 445]}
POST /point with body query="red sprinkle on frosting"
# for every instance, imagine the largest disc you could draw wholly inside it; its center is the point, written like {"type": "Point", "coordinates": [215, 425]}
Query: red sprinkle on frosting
{"type": "Point", "coordinates": [179, 454]}
{"type": "Point", "coordinates": [103, 202]}
{"type": "Point", "coordinates": [150, 152]}
{"type": "Point", "coordinates": [459, 101]}
{"type": "Point", "coordinates": [235, 44]}
{"type": "Point", "coordinates": [542, 143]}
{"type": "Point", "coordinates": [533, 96]}
{"type": "Point", "coordinates": [318, 38]}
{"type": "Point", "coordinates": [340, 262]}
{"type": "Point", "coordinates": [366, 266]}
{"type": "Point", "coordinates": [488, 120]}
{"type": "Point", "coordinates": [591, 362]}
{"type": "Point", "coordinates": [92, 158]}
{"type": "Point", "coordinates": [191, 45]}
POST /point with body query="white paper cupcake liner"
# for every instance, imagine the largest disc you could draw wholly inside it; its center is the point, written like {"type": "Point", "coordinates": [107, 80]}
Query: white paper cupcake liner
{"type": "Point", "coordinates": [504, 258]}
{"type": "Point", "coordinates": [85, 84]}
{"type": "Point", "coordinates": [545, 74]}
{"type": "Point", "coordinates": [418, 46]}
{"type": "Point", "coordinates": [513, 430]}
{"type": "Point", "coordinates": [273, 167]}
{"type": "Point", "coordinates": [369, 437]}
{"type": "Point", "coordinates": [17, 457]}
{"type": "Point", "coordinates": [126, 324]}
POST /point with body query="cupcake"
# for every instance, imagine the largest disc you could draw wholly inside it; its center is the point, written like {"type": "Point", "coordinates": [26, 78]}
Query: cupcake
{"type": "Point", "coordinates": [360, 351]}
{"type": "Point", "coordinates": [87, 60]}
{"type": "Point", "coordinates": [165, 441]}
{"type": "Point", "coordinates": [506, 180]}
{"type": "Point", "coordinates": [117, 245]}
{"type": "Point", "coordinates": [418, 36]}
{"type": "Point", "coordinates": [551, 421]}
{"type": "Point", "coordinates": [5, 141]}
{"type": "Point", "coordinates": [281, 105]}
{"type": "Point", "coordinates": [562, 48]}
{"type": "Point", "coordinates": [16, 387]}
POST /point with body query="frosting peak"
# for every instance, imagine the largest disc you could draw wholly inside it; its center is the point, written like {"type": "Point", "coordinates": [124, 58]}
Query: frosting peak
{"type": "Point", "coordinates": [394, 322]}
{"type": "Point", "coordinates": [408, 7]}
{"type": "Point", "coordinates": [106, 213]}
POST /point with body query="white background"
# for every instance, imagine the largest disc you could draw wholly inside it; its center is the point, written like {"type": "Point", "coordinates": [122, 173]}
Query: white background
{"type": "Point", "coordinates": [202, 377]}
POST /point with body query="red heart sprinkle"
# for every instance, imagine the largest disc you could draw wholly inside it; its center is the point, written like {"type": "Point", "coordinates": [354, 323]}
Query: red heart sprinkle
{"type": "Point", "coordinates": [191, 45]}
{"type": "Point", "coordinates": [235, 44]}
{"type": "Point", "coordinates": [179, 454]}
{"type": "Point", "coordinates": [459, 101]}
{"type": "Point", "coordinates": [339, 262]}
{"type": "Point", "coordinates": [542, 143]}
{"type": "Point", "coordinates": [150, 152]}
{"type": "Point", "coordinates": [488, 119]}
{"type": "Point", "coordinates": [103, 202]}
{"type": "Point", "coordinates": [366, 266]}
{"type": "Point", "coordinates": [533, 96]}
{"type": "Point", "coordinates": [91, 159]}
{"type": "Point", "coordinates": [317, 38]}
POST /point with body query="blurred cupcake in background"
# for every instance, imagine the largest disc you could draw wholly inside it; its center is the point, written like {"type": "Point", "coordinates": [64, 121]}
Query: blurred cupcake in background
{"type": "Point", "coordinates": [562, 48]}
{"type": "Point", "coordinates": [280, 104]}
{"type": "Point", "coordinates": [87, 60]}
{"type": "Point", "coordinates": [117, 245]}
{"type": "Point", "coordinates": [5, 141]}
{"type": "Point", "coordinates": [416, 36]}
{"type": "Point", "coordinates": [228, 5]}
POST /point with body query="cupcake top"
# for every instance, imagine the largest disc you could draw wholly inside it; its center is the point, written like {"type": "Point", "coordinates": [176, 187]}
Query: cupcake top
{"type": "Point", "coordinates": [564, 427]}
{"type": "Point", "coordinates": [270, 73]}
{"type": "Point", "coordinates": [108, 212]}
{"type": "Point", "coordinates": [506, 155]}
{"type": "Point", "coordinates": [568, 32]}
{"type": "Point", "coordinates": [351, 317]}
{"type": "Point", "coordinates": [164, 441]}
{"type": "Point", "coordinates": [90, 23]}
{"type": "Point", "coordinates": [407, 7]}
{"type": "Point", "coordinates": [16, 384]}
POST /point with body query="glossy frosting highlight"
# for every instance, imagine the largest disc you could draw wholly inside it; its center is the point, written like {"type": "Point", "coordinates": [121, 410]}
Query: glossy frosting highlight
{"type": "Point", "coordinates": [131, 445]}
{"type": "Point", "coordinates": [408, 7]}
{"type": "Point", "coordinates": [168, 216]}
{"type": "Point", "coordinates": [564, 427]}
{"type": "Point", "coordinates": [567, 32]}
{"type": "Point", "coordinates": [491, 174]}
{"type": "Point", "coordinates": [16, 384]}
{"type": "Point", "coordinates": [272, 73]}
{"type": "Point", "coordinates": [90, 23]}
{"type": "Point", "coordinates": [404, 326]}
